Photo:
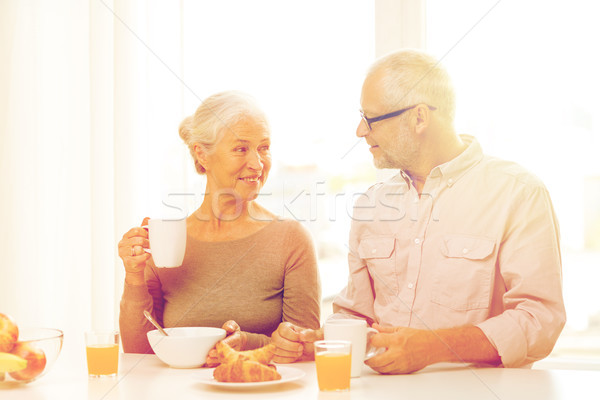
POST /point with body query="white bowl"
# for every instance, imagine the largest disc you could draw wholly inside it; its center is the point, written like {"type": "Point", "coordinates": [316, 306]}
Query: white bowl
{"type": "Point", "coordinates": [185, 347]}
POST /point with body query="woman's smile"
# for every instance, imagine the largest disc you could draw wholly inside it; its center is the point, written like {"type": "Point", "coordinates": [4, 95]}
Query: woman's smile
{"type": "Point", "coordinates": [251, 179]}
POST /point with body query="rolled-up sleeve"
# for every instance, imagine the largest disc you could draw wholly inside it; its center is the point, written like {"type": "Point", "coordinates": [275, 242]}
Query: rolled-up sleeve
{"type": "Point", "coordinates": [529, 263]}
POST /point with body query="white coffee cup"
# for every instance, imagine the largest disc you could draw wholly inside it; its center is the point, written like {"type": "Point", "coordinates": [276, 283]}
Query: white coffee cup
{"type": "Point", "coordinates": [167, 241]}
{"type": "Point", "coordinates": [357, 332]}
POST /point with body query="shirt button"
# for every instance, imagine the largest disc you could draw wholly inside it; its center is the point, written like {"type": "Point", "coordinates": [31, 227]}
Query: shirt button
{"type": "Point", "coordinates": [410, 286]}
{"type": "Point", "coordinates": [417, 241]}
{"type": "Point", "coordinates": [373, 251]}
{"type": "Point", "coordinates": [450, 182]}
{"type": "Point", "coordinates": [465, 250]}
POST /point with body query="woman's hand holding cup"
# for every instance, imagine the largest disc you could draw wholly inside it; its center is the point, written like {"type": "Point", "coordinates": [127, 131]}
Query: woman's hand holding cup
{"type": "Point", "coordinates": [131, 250]}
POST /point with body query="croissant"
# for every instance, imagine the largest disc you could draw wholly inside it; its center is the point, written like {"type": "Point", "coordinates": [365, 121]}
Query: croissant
{"type": "Point", "coordinates": [263, 355]}
{"type": "Point", "coordinates": [246, 371]}
{"type": "Point", "coordinates": [245, 366]}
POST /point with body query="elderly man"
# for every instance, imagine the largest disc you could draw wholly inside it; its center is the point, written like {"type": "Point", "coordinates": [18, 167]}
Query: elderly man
{"type": "Point", "coordinates": [454, 259]}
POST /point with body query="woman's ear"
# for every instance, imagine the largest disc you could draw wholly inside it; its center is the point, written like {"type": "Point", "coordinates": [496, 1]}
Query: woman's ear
{"type": "Point", "coordinates": [200, 152]}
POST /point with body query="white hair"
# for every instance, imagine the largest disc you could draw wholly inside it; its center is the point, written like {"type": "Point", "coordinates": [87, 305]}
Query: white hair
{"type": "Point", "coordinates": [217, 114]}
{"type": "Point", "coordinates": [414, 77]}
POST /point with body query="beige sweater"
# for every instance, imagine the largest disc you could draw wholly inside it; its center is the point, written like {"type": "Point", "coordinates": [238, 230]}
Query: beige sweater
{"type": "Point", "coordinates": [258, 281]}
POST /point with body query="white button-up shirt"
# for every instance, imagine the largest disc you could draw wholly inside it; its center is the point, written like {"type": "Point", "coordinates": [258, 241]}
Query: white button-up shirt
{"type": "Point", "coordinates": [479, 247]}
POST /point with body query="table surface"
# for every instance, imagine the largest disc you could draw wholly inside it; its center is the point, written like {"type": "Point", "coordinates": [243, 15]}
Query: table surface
{"type": "Point", "coordinates": [146, 377]}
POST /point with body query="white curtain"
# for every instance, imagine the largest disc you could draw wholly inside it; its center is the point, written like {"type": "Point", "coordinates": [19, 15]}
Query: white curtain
{"type": "Point", "coordinates": [80, 94]}
{"type": "Point", "coordinates": [46, 202]}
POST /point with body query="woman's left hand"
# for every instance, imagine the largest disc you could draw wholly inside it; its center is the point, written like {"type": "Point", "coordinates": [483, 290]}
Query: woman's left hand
{"type": "Point", "coordinates": [235, 338]}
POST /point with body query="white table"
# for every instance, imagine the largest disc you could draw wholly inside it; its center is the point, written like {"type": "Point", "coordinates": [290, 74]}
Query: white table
{"type": "Point", "coordinates": [146, 377]}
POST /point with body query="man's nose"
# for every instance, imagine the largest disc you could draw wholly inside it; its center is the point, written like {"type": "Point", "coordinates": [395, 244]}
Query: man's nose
{"type": "Point", "coordinates": [362, 130]}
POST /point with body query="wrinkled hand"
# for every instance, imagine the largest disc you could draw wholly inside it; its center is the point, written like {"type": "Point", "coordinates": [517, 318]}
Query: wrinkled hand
{"type": "Point", "coordinates": [134, 263]}
{"type": "Point", "coordinates": [294, 343]}
{"type": "Point", "coordinates": [235, 338]}
{"type": "Point", "coordinates": [408, 350]}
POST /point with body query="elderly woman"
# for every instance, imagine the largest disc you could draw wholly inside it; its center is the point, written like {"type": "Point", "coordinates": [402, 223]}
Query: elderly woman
{"type": "Point", "coordinates": [243, 265]}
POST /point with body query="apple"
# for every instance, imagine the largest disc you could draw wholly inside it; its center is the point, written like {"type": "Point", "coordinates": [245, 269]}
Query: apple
{"type": "Point", "coordinates": [9, 333]}
{"type": "Point", "coordinates": [36, 361]}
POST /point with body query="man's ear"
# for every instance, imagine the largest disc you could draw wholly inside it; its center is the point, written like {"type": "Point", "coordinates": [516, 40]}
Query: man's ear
{"type": "Point", "coordinates": [423, 118]}
{"type": "Point", "coordinates": [201, 153]}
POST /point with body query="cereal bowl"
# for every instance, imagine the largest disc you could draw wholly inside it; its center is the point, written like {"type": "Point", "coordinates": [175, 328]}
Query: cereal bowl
{"type": "Point", "coordinates": [185, 347]}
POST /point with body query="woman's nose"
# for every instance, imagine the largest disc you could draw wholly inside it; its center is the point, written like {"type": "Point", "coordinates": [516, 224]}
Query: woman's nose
{"type": "Point", "coordinates": [255, 161]}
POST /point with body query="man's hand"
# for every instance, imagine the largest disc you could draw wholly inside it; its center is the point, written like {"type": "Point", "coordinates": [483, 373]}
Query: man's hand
{"type": "Point", "coordinates": [294, 343]}
{"type": "Point", "coordinates": [408, 349]}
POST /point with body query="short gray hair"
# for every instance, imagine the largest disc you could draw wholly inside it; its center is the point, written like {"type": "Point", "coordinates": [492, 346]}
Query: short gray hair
{"type": "Point", "coordinates": [413, 77]}
{"type": "Point", "coordinates": [214, 117]}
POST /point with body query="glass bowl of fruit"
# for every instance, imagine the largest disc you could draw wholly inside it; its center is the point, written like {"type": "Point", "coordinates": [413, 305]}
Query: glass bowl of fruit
{"type": "Point", "coordinates": [26, 354]}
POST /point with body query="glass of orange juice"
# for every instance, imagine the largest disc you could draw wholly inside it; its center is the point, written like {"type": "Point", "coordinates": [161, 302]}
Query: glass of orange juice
{"type": "Point", "coordinates": [102, 351]}
{"type": "Point", "coordinates": [333, 359]}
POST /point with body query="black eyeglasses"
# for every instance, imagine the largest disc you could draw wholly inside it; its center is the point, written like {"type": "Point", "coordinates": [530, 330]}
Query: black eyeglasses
{"type": "Point", "coordinates": [369, 121]}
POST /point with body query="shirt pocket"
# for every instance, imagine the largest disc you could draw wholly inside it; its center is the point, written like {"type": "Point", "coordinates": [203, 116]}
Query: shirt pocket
{"type": "Point", "coordinates": [462, 280]}
{"type": "Point", "coordinates": [378, 254]}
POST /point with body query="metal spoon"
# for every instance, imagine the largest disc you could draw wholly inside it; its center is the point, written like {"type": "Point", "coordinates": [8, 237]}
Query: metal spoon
{"type": "Point", "coordinates": [153, 322]}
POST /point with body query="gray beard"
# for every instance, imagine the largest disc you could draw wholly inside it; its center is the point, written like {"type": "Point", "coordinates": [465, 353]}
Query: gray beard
{"type": "Point", "coordinates": [394, 161]}
{"type": "Point", "coordinates": [384, 162]}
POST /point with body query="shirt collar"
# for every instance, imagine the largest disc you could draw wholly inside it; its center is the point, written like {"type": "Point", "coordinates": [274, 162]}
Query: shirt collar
{"type": "Point", "coordinates": [449, 172]}
{"type": "Point", "coordinates": [454, 169]}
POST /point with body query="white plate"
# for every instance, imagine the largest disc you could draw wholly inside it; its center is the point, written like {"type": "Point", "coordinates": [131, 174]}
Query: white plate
{"type": "Point", "coordinates": [288, 374]}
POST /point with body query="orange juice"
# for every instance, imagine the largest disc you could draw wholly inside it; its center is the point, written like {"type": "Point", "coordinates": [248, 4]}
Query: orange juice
{"type": "Point", "coordinates": [333, 371]}
{"type": "Point", "coordinates": [102, 359]}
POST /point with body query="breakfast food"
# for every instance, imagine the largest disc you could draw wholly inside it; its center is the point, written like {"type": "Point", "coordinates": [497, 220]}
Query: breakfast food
{"type": "Point", "coordinates": [10, 363]}
{"type": "Point", "coordinates": [24, 361]}
{"type": "Point", "coordinates": [36, 361]}
{"type": "Point", "coordinates": [245, 366]}
{"type": "Point", "coordinates": [9, 332]}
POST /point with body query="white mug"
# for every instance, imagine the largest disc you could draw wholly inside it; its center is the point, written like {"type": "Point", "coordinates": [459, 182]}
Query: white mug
{"type": "Point", "coordinates": [167, 241]}
{"type": "Point", "coordinates": [357, 332]}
